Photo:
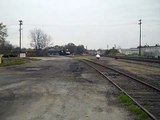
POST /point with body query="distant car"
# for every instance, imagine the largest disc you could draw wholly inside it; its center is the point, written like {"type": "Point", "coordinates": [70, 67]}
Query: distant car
{"type": "Point", "coordinates": [67, 53]}
{"type": "Point", "coordinates": [64, 52]}
{"type": "Point", "coordinates": [98, 56]}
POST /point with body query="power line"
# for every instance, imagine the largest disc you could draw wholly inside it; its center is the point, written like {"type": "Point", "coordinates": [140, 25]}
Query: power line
{"type": "Point", "coordinates": [11, 25]}
{"type": "Point", "coordinates": [52, 25]}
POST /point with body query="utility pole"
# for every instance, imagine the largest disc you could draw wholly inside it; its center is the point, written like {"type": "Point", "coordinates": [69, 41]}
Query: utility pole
{"type": "Point", "coordinates": [20, 29]}
{"type": "Point", "coordinates": [140, 22]}
{"type": "Point", "coordinates": [107, 46]}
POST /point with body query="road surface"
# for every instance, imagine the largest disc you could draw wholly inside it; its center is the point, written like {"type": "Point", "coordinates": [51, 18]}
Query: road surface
{"type": "Point", "coordinates": [57, 88]}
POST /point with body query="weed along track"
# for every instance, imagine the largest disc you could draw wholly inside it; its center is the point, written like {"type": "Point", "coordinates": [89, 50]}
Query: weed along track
{"type": "Point", "coordinates": [146, 96]}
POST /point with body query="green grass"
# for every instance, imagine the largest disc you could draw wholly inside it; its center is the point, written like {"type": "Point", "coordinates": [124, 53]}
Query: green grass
{"type": "Point", "coordinates": [140, 114]}
{"type": "Point", "coordinates": [14, 61]}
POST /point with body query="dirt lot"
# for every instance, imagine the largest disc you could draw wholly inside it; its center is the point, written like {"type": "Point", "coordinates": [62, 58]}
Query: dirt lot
{"type": "Point", "coordinates": [57, 88]}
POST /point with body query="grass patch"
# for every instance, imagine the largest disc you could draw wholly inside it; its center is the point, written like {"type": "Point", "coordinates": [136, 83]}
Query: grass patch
{"type": "Point", "coordinates": [14, 61]}
{"type": "Point", "coordinates": [140, 114]}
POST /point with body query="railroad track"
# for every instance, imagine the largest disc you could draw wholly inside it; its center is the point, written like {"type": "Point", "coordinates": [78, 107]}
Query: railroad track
{"type": "Point", "coordinates": [151, 60]}
{"type": "Point", "coordinates": [146, 96]}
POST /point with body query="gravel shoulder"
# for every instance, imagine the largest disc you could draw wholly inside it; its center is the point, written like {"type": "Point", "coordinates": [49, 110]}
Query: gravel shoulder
{"type": "Point", "coordinates": [57, 88]}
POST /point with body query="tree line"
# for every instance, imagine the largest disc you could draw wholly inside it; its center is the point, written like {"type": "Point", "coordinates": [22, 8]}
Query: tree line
{"type": "Point", "coordinates": [40, 43]}
{"type": "Point", "coordinates": [5, 46]}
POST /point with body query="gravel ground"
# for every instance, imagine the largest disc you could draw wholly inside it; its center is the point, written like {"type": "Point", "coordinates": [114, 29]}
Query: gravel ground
{"type": "Point", "coordinates": [57, 88]}
{"type": "Point", "coordinates": [148, 72]}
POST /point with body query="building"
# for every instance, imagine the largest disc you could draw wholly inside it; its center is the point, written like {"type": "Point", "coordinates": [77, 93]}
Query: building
{"type": "Point", "coordinates": [129, 51]}
{"type": "Point", "coordinates": [101, 52]}
{"type": "Point", "coordinates": [92, 52]}
{"type": "Point", "coordinates": [151, 51]}
{"type": "Point", "coordinates": [148, 51]}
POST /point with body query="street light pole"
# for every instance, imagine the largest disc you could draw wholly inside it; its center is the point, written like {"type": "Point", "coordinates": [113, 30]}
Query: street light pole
{"type": "Point", "coordinates": [20, 29]}
{"type": "Point", "coordinates": [140, 22]}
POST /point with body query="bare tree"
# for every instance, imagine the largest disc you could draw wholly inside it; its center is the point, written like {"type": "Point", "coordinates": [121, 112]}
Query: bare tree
{"type": "Point", "coordinates": [3, 35]}
{"type": "Point", "coordinates": [39, 39]}
{"type": "Point", "coordinates": [3, 32]}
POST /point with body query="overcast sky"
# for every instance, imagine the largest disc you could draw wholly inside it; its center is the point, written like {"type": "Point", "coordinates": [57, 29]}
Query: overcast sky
{"type": "Point", "coordinates": [93, 23]}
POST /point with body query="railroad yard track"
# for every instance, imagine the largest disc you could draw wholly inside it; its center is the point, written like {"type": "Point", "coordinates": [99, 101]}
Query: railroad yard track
{"type": "Point", "coordinates": [151, 60]}
{"type": "Point", "coordinates": [146, 96]}
{"type": "Point", "coordinates": [154, 82]}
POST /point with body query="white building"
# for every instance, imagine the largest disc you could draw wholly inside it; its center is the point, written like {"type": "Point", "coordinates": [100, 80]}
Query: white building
{"type": "Point", "coordinates": [151, 51]}
{"type": "Point", "coordinates": [148, 51]}
{"type": "Point", "coordinates": [129, 51]}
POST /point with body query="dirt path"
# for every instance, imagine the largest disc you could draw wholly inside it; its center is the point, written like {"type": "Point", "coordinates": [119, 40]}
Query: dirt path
{"type": "Point", "coordinates": [57, 89]}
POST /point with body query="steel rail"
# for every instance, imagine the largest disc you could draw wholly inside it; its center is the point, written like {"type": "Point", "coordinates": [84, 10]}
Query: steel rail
{"type": "Point", "coordinates": [145, 110]}
{"type": "Point", "coordinates": [137, 59]}
{"type": "Point", "coordinates": [155, 88]}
